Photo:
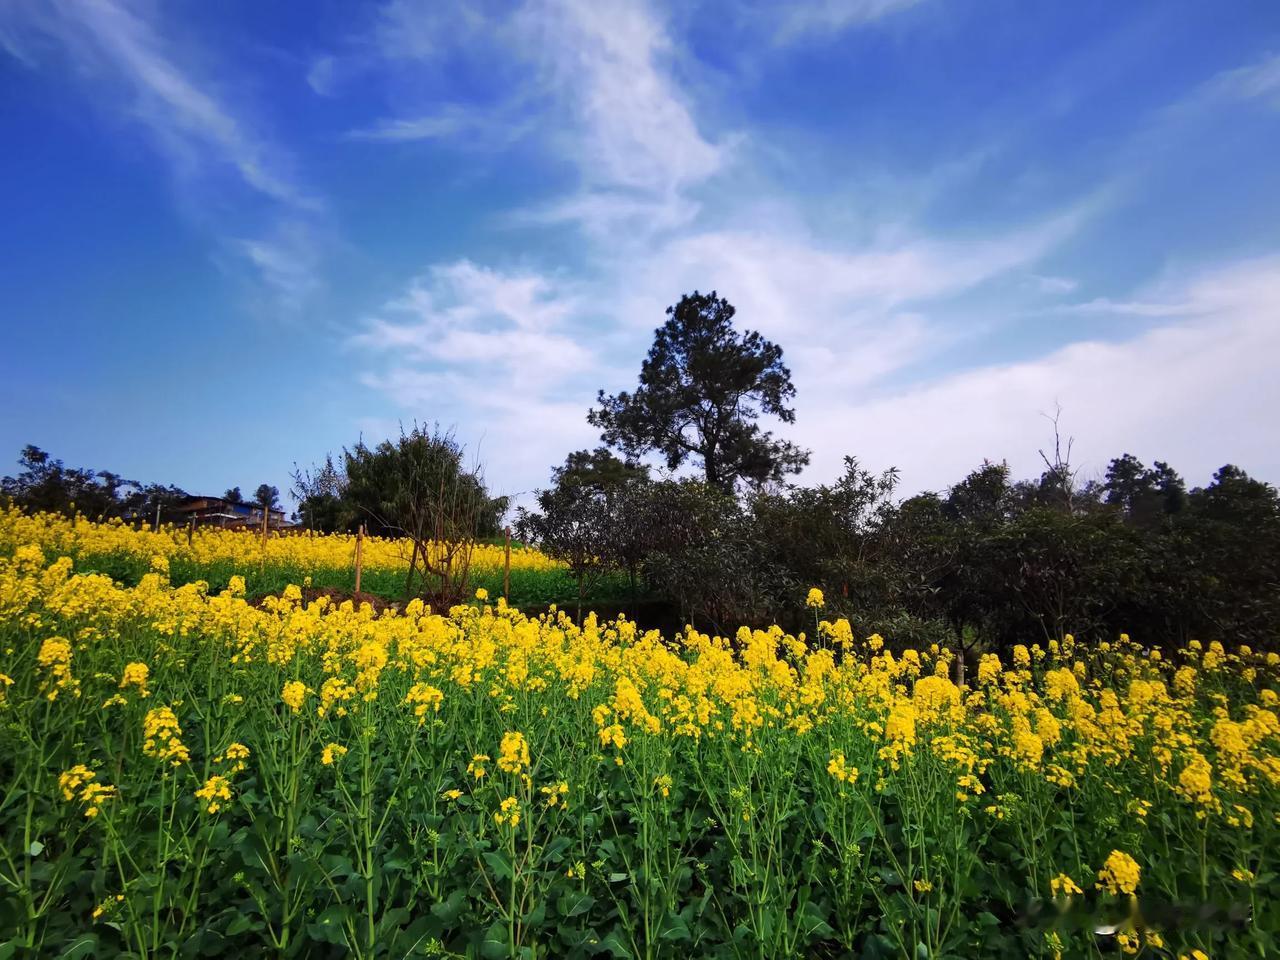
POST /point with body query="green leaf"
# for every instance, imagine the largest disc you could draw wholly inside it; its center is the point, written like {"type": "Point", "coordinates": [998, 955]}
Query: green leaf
{"type": "Point", "coordinates": [499, 863]}
{"type": "Point", "coordinates": [574, 903]}
{"type": "Point", "coordinates": [494, 944]}
{"type": "Point", "coordinates": [536, 916]}
{"type": "Point", "coordinates": [675, 929]}
{"type": "Point", "coordinates": [330, 926]}
{"type": "Point", "coordinates": [614, 947]}
{"type": "Point", "coordinates": [814, 922]}
{"type": "Point", "coordinates": [240, 924]}
{"type": "Point", "coordinates": [556, 848]}
{"type": "Point", "coordinates": [448, 911]}
{"type": "Point", "coordinates": [84, 946]}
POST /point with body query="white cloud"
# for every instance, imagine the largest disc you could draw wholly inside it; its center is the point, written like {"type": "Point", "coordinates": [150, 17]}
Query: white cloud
{"type": "Point", "coordinates": [1054, 286]}
{"type": "Point", "coordinates": [781, 271]}
{"type": "Point", "coordinates": [595, 79]}
{"type": "Point", "coordinates": [320, 76]}
{"type": "Point", "coordinates": [191, 126]}
{"type": "Point", "coordinates": [467, 126]}
{"type": "Point", "coordinates": [1197, 392]}
{"type": "Point", "coordinates": [1129, 308]}
{"type": "Point", "coordinates": [186, 119]}
{"type": "Point", "coordinates": [487, 326]}
{"type": "Point", "coordinates": [288, 263]}
{"type": "Point", "coordinates": [608, 64]}
{"type": "Point", "coordinates": [436, 126]}
{"type": "Point", "coordinates": [829, 16]}
{"type": "Point", "coordinates": [500, 354]}
{"type": "Point", "coordinates": [1256, 81]}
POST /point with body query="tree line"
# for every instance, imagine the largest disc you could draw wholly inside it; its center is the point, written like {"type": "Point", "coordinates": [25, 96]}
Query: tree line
{"type": "Point", "coordinates": [990, 561]}
{"type": "Point", "coordinates": [45, 483]}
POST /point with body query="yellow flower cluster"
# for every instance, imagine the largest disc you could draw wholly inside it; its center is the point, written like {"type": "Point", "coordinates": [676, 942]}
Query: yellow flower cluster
{"type": "Point", "coordinates": [1063, 885]}
{"type": "Point", "coordinates": [513, 754]}
{"type": "Point", "coordinates": [555, 794]}
{"type": "Point", "coordinates": [424, 697]}
{"type": "Point", "coordinates": [293, 694]}
{"type": "Point", "coordinates": [136, 675]}
{"type": "Point", "coordinates": [332, 753]}
{"type": "Point", "coordinates": [78, 784]}
{"type": "Point", "coordinates": [1119, 874]}
{"type": "Point", "coordinates": [508, 813]}
{"type": "Point", "coordinates": [234, 757]}
{"type": "Point", "coordinates": [55, 658]}
{"type": "Point", "coordinates": [163, 737]}
{"type": "Point", "coordinates": [215, 792]}
{"type": "Point", "coordinates": [839, 768]}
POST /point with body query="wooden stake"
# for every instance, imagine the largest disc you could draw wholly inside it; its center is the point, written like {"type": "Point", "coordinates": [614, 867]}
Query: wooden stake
{"type": "Point", "coordinates": [506, 567]}
{"type": "Point", "coordinates": [266, 515]}
{"type": "Point", "coordinates": [359, 557]}
{"type": "Point", "coordinates": [191, 529]}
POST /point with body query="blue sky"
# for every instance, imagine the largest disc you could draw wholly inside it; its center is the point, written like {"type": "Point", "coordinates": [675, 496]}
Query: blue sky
{"type": "Point", "coordinates": [239, 235]}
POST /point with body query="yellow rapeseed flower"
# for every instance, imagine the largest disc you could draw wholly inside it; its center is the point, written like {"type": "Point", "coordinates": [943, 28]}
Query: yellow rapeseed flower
{"type": "Point", "coordinates": [293, 694]}
{"type": "Point", "coordinates": [508, 813]}
{"type": "Point", "coordinates": [331, 753]}
{"type": "Point", "coordinates": [136, 675]}
{"type": "Point", "coordinates": [216, 791]}
{"type": "Point", "coordinates": [1119, 874]}
{"type": "Point", "coordinates": [1064, 885]}
{"type": "Point", "coordinates": [513, 753]}
{"type": "Point", "coordinates": [162, 736]}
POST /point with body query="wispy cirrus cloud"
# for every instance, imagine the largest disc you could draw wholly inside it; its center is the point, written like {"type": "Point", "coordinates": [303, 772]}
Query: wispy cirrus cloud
{"type": "Point", "coordinates": [595, 81]}
{"type": "Point", "coordinates": [1248, 85]}
{"type": "Point", "coordinates": [514, 326]}
{"type": "Point", "coordinates": [288, 261]}
{"type": "Point", "coordinates": [1254, 81]}
{"type": "Point", "coordinates": [494, 351]}
{"type": "Point", "coordinates": [795, 20]}
{"type": "Point", "coordinates": [198, 132]}
{"type": "Point", "coordinates": [188, 122]}
{"type": "Point", "coordinates": [467, 126]}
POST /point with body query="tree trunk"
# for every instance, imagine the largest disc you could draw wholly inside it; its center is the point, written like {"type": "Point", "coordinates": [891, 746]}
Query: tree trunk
{"type": "Point", "coordinates": [413, 565]}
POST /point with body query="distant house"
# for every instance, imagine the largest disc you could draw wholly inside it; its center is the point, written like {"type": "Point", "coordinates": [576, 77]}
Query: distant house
{"type": "Point", "coordinates": [220, 512]}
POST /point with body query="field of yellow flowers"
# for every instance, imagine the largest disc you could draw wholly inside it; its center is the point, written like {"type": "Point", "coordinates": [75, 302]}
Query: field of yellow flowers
{"type": "Point", "coordinates": [186, 773]}
{"type": "Point", "coordinates": [322, 561]}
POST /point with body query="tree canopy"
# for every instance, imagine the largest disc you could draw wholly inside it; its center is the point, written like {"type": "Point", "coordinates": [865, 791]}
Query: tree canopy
{"type": "Point", "coordinates": [703, 388]}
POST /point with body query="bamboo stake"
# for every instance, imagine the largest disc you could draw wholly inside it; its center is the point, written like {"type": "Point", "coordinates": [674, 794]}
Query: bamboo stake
{"type": "Point", "coordinates": [359, 557]}
{"type": "Point", "coordinates": [506, 567]}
